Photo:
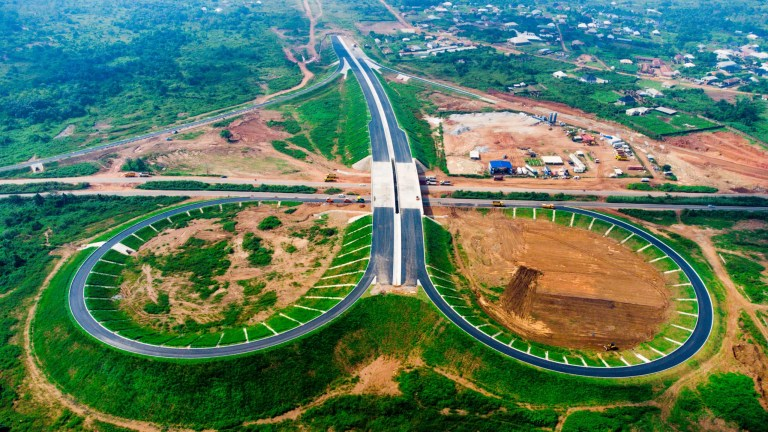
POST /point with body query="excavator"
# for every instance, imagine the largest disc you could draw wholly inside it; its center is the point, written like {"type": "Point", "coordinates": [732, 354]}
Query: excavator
{"type": "Point", "coordinates": [611, 347]}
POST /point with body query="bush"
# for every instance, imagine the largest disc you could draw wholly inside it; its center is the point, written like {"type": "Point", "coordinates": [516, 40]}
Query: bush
{"type": "Point", "coordinates": [269, 223]}
{"type": "Point", "coordinates": [163, 305]}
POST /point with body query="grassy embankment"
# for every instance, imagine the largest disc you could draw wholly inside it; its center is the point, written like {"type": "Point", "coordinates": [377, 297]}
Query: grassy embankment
{"type": "Point", "coordinates": [332, 122]}
{"type": "Point", "coordinates": [207, 259]}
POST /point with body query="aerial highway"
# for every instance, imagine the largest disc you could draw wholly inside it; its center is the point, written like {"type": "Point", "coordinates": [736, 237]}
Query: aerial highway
{"type": "Point", "coordinates": [397, 252]}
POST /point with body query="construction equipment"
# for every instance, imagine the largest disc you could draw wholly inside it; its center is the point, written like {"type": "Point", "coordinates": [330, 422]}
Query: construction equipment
{"type": "Point", "coordinates": [611, 347]}
{"type": "Point", "coordinates": [360, 199]}
{"type": "Point", "coordinates": [621, 157]}
{"type": "Point", "coordinates": [130, 174]}
{"type": "Point", "coordinates": [548, 206]}
{"type": "Point", "coordinates": [498, 203]}
{"type": "Point", "coordinates": [330, 178]}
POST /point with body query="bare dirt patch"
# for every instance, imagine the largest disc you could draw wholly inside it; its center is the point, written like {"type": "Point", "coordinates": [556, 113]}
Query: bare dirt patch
{"type": "Point", "coordinates": [378, 377]}
{"type": "Point", "coordinates": [724, 156]}
{"type": "Point", "coordinates": [67, 131]}
{"type": "Point", "coordinates": [561, 286]}
{"type": "Point", "coordinates": [296, 265]}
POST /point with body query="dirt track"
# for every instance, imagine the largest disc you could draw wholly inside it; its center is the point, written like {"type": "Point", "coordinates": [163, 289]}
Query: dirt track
{"type": "Point", "coordinates": [590, 291]}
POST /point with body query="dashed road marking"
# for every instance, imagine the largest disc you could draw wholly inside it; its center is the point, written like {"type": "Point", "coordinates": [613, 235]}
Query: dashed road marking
{"type": "Point", "coordinates": [153, 227]}
{"type": "Point", "coordinates": [333, 286]}
{"type": "Point", "coordinates": [324, 297]}
{"type": "Point", "coordinates": [591, 223]}
{"type": "Point", "coordinates": [134, 234]}
{"type": "Point", "coordinates": [673, 271]}
{"type": "Point", "coordinates": [687, 299]}
{"type": "Point", "coordinates": [573, 217]}
{"type": "Point", "coordinates": [624, 360]}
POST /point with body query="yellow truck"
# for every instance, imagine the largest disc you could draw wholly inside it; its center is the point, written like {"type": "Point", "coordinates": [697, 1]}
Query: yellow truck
{"type": "Point", "coordinates": [548, 206]}
{"type": "Point", "coordinates": [498, 203]}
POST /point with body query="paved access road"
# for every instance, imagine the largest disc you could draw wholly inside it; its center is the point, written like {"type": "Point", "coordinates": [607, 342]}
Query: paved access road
{"type": "Point", "coordinates": [691, 346]}
{"type": "Point", "coordinates": [170, 130]}
{"type": "Point", "coordinates": [84, 318]}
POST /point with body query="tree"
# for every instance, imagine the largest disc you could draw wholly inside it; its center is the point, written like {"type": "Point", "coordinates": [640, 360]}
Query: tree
{"type": "Point", "coordinates": [226, 134]}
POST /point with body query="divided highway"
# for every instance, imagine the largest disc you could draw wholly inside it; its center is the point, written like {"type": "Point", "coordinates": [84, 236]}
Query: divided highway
{"type": "Point", "coordinates": [397, 253]}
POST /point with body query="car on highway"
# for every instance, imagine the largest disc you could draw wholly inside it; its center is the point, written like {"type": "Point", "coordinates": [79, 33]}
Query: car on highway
{"type": "Point", "coordinates": [498, 203]}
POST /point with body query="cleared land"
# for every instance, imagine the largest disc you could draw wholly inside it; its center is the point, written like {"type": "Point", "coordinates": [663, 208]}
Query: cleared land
{"type": "Point", "coordinates": [240, 271]}
{"type": "Point", "coordinates": [560, 286]}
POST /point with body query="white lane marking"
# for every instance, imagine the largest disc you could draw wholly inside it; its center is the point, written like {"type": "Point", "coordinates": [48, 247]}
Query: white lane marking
{"type": "Point", "coordinates": [529, 350]}
{"type": "Point", "coordinates": [687, 299]}
{"type": "Point", "coordinates": [220, 338]}
{"type": "Point", "coordinates": [591, 223]}
{"type": "Point", "coordinates": [511, 342]}
{"type": "Point", "coordinates": [449, 289]}
{"type": "Point", "coordinates": [201, 210]}
{"type": "Point", "coordinates": [324, 297]}
{"type": "Point", "coordinates": [673, 271]}
{"type": "Point", "coordinates": [221, 209]}
{"type": "Point", "coordinates": [683, 328]}
{"type": "Point", "coordinates": [152, 226]}
{"type": "Point", "coordinates": [553, 215]}
{"type": "Point", "coordinates": [546, 355]}
{"type": "Point", "coordinates": [565, 359]}
{"type": "Point", "coordinates": [514, 212]}
{"type": "Point", "coordinates": [534, 213]}
{"type": "Point", "coordinates": [683, 284]}
{"type": "Point", "coordinates": [102, 286]}
{"type": "Point", "coordinates": [584, 362]}
{"type": "Point", "coordinates": [629, 237]}
{"type": "Point", "coordinates": [112, 262]}
{"type": "Point", "coordinates": [188, 214]}
{"type": "Point", "coordinates": [442, 279]}
{"type": "Point", "coordinates": [245, 332]}
{"type": "Point", "coordinates": [624, 360]}
{"type": "Point", "coordinates": [169, 219]}
{"type": "Point", "coordinates": [674, 341]}
{"type": "Point", "coordinates": [481, 326]}
{"type": "Point", "coordinates": [134, 234]}
{"type": "Point", "coordinates": [494, 336]}
{"type": "Point", "coordinates": [573, 217]}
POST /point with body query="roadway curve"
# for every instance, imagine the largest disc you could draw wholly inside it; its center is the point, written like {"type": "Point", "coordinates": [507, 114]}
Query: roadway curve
{"type": "Point", "coordinates": [691, 346]}
{"type": "Point", "coordinates": [86, 321]}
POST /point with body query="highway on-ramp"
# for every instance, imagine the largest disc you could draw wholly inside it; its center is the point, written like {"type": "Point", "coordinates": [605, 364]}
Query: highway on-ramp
{"type": "Point", "coordinates": [397, 252]}
{"type": "Point", "coordinates": [88, 323]}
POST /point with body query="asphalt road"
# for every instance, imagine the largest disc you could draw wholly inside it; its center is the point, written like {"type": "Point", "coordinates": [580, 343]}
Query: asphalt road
{"type": "Point", "coordinates": [694, 343]}
{"type": "Point", "coordinates": [86, 321]}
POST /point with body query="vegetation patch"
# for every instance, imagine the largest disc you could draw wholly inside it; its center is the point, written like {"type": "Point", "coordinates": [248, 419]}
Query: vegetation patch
{"type": "Point", "coordinates": [197, 185]}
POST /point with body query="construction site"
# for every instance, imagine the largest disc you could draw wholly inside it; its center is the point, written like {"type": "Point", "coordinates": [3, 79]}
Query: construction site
{"type": "Point", "coordinates": [535, 146]}
{"type": "Point", "coordinates": [560, 286]}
